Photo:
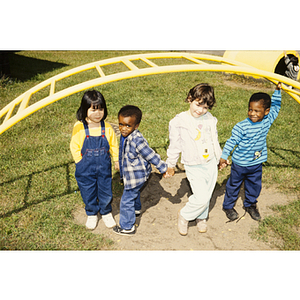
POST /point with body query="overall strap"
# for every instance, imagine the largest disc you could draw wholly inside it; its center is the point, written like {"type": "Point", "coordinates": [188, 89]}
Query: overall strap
{"type": "Point", "coordinates": [102, 128]}
{"type": "Point", "coordinates": [87, 132]}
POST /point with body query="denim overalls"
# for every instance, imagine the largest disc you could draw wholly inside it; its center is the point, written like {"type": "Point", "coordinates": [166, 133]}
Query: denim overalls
{"type": "Point", "coordinates": [93, 173]}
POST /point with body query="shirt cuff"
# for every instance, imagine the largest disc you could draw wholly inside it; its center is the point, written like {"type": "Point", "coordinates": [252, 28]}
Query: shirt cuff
{"type": "Point", "coordinates": [224, 156]}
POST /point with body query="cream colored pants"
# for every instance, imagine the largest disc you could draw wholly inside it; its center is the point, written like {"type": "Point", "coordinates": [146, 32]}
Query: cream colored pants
{"type": "Point", "coordinates": [202, 179]}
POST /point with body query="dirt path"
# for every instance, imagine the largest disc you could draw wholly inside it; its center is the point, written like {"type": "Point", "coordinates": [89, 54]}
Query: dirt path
{"type": "Point", "coordinates": [157, 225]}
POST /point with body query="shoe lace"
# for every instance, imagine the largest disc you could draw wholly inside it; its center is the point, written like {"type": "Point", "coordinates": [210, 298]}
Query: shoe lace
{"type": "Point", "coordinates": [237, 219]}
{"type": "Point", "coordinates": [241, 216]}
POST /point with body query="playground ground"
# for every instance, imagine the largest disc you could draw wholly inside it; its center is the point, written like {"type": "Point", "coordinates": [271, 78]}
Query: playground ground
{"type": "Point", "coordinates": [162, 198]}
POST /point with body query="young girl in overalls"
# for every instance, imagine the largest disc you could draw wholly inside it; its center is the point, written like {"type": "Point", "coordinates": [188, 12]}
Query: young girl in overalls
{"type": "Point", "coordinates": [93, 143]}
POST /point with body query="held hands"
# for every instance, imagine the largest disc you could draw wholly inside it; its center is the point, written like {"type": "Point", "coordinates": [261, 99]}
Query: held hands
{"type": "Point", "coordinates": [170, 172]}
{"type": "Point", "coordinates": [223, 163]}
{"type": "Point", "coordinates": [117, 167]}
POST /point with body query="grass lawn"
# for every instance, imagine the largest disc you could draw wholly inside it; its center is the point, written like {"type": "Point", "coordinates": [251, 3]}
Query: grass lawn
{"type": "Point", "coordinates": [38, 190]}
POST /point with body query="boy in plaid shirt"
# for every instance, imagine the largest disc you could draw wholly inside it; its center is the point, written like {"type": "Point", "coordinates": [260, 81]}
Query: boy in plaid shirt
{"type": "Point", "coordinates": [135, 158]}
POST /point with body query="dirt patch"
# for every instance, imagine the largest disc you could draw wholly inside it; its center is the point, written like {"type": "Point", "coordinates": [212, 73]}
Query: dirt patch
{"type": "Point", "coordinates": [162, 198]}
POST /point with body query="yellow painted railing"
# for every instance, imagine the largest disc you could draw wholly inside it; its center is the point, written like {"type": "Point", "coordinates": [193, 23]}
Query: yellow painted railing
{"type": "Point", "coordinates": [19, 108]}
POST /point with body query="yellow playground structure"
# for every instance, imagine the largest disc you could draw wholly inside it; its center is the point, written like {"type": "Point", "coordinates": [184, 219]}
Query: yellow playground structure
{"type": "Point", "coordinates": [271, 61]}
{"type": "Point", "coordinates": [260, 64]}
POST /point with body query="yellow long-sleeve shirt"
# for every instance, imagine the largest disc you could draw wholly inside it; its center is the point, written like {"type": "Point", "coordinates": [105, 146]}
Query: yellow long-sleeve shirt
{"type": "Point", "coordinates": [78, 137]}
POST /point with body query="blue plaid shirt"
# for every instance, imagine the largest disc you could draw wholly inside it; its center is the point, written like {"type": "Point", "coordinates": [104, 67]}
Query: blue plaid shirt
{"type": "Point", "coordinates": [136, 157]}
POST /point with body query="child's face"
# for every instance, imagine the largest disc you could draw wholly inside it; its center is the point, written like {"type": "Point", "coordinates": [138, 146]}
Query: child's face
{"type": "Point", "coordinates": [197, 108]}
{"type": "Point", "coordinates": [94, 115]}
{"type": "Point", "coordinates": [256, 111]}
{"type": "Point", "coordinates": [127, 125]}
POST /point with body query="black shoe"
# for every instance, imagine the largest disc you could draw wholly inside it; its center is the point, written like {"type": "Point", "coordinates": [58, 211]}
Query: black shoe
{"type": "Point", "coordinates": [137, 213]}
{"type": "Point", "coordinates": [253, 212]}
{"type": "Point", "coordinates": [231, 214]}
{"type": "Point", "coordinates": [119, 230]}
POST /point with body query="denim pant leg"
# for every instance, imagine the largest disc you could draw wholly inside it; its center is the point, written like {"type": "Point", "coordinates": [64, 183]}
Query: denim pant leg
{"type": "Point", "coordinates": [233, 186]}
{"type": "Point", "coordinates": [104, 191]}
{"type": "Point", "coordinates": [88, 190]}
{"type": "Point", "coordinates": [137, 203]}
{"type": "Point", "coordinates": [127, 207]}
{"type": "Point", "coordinates": [253, 185]}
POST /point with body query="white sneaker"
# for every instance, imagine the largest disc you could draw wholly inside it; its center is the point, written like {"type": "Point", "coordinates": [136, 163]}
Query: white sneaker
{"type": "Point", "coordinates": [201, 224]}
{"type": "Point", "coordinates": [182, 224]}
{"type": "Point", "coordinates": [109, 220]}
{"type": "Point", "coordinates": [91, 222]}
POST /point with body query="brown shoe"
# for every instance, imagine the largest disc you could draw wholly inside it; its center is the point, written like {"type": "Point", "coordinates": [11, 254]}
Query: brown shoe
{"type": "Point", "coordinates": [182, 224]}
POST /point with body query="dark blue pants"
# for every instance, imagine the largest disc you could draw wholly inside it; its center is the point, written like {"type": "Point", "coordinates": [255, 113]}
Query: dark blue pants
{"type": "Point", "coordinates": [252, 182]}
{"type": "Point", "coordinates": [130, 202]}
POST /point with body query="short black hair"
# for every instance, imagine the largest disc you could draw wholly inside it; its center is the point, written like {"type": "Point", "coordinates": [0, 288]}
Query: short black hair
{"type": "Point", "coordinates": [263, 97]}
{"type": "Point", "coordinates": [130, 111]}
{"type": "Point", "coordinates": [90, 99]}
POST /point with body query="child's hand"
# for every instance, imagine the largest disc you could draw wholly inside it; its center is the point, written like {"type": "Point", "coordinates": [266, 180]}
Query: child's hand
{"type": "Point", "coordinates": [170, 172]}
{"type": "Point", "coordinates": [223, 163]}
{"type": "Point", "coordinates": [278, 87]}
{"type": "Point", "coordinates": [117, 166]}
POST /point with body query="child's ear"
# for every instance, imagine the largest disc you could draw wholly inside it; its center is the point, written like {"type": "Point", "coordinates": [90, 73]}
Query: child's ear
{"type": "Point", "coordinates": [267, 111]}
{"type": "Point", "coordinates": [136, 126]}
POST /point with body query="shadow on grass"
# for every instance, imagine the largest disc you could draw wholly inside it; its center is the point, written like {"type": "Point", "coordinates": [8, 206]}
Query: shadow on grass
{"type": "Point", "coordinates": [154, 182]}
{"type": "Point", "coordinates": [25, 68]}
{"type": "Point", "coordinates": [26, 204]}
{"type": "Point", "coordinates": [29, 177]}
{"type": "Point", "coordinates": [278, 153]}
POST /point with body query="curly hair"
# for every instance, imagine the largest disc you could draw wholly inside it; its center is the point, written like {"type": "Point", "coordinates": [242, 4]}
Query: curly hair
{"type": "Point", "coordinates": [204, 93]}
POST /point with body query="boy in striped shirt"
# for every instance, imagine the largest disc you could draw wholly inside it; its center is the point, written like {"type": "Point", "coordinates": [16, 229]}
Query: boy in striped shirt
{"type": "Point", "coordinates": [249, 145]}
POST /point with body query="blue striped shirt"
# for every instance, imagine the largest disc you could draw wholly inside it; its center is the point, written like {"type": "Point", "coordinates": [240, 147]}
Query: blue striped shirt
{"type": "Point", "coordinates": [248, 140]}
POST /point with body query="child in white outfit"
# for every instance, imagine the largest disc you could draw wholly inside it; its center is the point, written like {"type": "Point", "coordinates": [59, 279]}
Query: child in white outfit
{"type": "Point", "coordinates": [193, 133]}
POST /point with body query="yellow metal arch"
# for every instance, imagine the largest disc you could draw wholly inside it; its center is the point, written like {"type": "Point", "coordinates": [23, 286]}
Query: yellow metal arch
{"type": "Point", "coordinates": [261, 59]}
{"type": "Point", "coordinates": [195, 62]}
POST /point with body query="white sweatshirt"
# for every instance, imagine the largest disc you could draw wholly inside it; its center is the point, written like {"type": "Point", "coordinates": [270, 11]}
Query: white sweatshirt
{"type": "Point", "coordinates": [184, 138]}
